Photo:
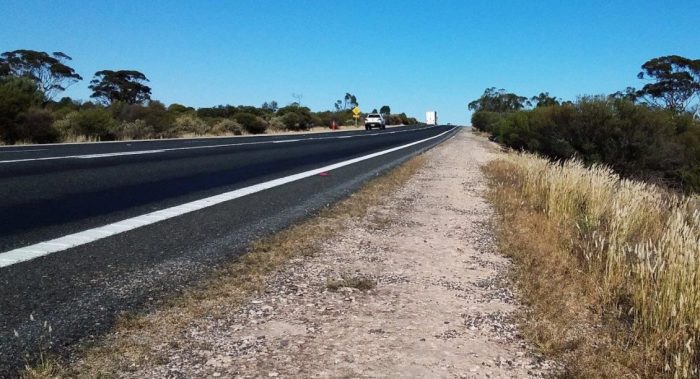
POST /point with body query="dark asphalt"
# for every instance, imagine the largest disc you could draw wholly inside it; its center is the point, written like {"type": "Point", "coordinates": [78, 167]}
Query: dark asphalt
{"type": "Point", "coordinates": [81, 291]}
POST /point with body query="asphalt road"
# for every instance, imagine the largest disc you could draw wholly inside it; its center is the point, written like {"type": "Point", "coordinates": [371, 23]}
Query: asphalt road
{"type": "Point", "coordinates": [50, 191]}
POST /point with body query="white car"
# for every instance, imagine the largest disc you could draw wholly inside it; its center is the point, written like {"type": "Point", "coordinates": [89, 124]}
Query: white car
{"type": "Point", "coordinates": [374, 120]}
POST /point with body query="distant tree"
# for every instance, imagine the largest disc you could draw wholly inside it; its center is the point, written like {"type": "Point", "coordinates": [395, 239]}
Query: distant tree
{"type": "Point", "coordinates": [630, 94]}
{"type": "Point", "coordinates": [297, 97]}
{"type": "Point", "coordinates": [385, 109]}
{"type": "Point", "coordinates": [675, 82]}
{"type": "Point", "coordinates": [374, 110]}
{"type": "Point", "coordinates": [179, 109]}
{"type": "Point", "coordinates": [271, 106]}
{"type": "Point", "coordinates": [50, 72]}
{"type": "Point", "coordinates": [125, 86]}
{"type": "Point", "coordinates": [350, 101]}
{"type": "Point", "coordinates": [338, 105]}
{"type": "Point", "coordinates": [498, 100]}
{"type": "Point", "coordinates": [544, 100]}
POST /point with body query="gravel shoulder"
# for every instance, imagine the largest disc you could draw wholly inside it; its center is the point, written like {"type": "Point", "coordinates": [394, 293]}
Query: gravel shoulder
{"type": "Point", "coordinates": [435, 298]}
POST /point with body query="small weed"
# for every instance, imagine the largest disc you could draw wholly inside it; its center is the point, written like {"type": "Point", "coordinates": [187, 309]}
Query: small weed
{"type": "Point", "coordinates": [359, 282]}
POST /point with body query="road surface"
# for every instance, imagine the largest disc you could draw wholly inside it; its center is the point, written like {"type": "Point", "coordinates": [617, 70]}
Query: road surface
{"type": "Point", "coordinates": [88, 231]}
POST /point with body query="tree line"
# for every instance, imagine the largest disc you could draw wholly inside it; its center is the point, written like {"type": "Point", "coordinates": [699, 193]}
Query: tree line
{"type": "Point", "coordinates": [652, 133]}
{"type": "Point", "coordinates": [121, 107]}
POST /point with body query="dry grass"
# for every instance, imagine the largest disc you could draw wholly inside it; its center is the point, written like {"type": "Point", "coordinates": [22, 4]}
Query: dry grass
{"type": "Point", "coordinates": [609, 267]}
{"type": "Point", "coordinates": [46, 368]}
{"type": "Point", "coordinates": [135, 340]}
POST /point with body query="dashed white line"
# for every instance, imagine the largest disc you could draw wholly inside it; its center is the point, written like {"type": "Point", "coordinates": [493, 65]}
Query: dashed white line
{"type": "Point", "coordinates": [76, 239]}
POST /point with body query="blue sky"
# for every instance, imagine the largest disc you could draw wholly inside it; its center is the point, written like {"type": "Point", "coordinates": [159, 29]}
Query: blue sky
{"type": "Point", "coordinates": [412, 55]}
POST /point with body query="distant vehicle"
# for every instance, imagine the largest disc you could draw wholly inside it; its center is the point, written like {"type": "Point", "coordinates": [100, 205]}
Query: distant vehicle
{"type": "Point", "coordinates": [431, 118]}
{"type": "Point", "coordinates": [374, 120]}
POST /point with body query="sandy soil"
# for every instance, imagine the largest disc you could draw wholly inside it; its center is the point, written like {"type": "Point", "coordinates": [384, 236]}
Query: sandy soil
{"type": "Point", "coordinates": [441, 305]}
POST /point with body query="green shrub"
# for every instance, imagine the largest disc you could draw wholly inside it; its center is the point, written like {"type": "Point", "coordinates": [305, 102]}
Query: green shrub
{"type": "Point", "coordinates": [298, 118]}
{"type": "Point", "coordinates": [17, 95]}
{"type": "Point", "coordinates": [94, 123]}
{"type": "Point", "coordinates": [188, 124]}
{"type": "Point", "coordinates": [36, 126]}
{"type": "Point", "coordinates": [251, 123]}
{"type": "Point", "coordinates": [134, 130]}
{"type": "Point", "coordinates": [485, 120]}
{"type": "Point", "coordinates": [155, 115]}
{"type": "Point", "coordinates": [326, 118]}
{"type": "Point", "coordinates": [276, 124]}
{"type": "Point", "coordinates": [294, 121]}
{"type": "Point", "coordinates": [226, 126]}
{"type": "Point", "coordinates": [636, 140]}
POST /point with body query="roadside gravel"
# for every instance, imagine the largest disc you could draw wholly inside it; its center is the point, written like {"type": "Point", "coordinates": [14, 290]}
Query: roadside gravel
{"type": "Point", "coordinates": [436, 300]}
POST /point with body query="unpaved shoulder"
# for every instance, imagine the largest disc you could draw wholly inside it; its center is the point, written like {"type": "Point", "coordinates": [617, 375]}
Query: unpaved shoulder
{"type": "Point", "coordinates": [436, 302]}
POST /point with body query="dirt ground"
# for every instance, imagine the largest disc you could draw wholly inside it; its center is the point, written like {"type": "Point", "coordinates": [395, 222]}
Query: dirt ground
{"type": "Point", "coordinates": [434, 301]}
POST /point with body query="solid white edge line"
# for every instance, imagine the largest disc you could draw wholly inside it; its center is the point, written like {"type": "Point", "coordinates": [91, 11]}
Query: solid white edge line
{"type": "Point", "coordinates": [26, 253]}
{"type": "Point", "coordinates": [140, 152]}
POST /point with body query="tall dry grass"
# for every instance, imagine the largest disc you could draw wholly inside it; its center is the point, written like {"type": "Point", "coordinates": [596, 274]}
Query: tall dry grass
{"type": "Point", "coordinates": [638, 244]}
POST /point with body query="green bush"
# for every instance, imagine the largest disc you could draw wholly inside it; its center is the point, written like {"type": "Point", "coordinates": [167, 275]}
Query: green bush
{"type": "Point", "coordinates": [484, 120]}
{"type": "Point", "coordinates": [93, 123]}
{"type": "Point", "coordinates": [134, 130]}
{"type": "Point", "coordinates": [155, 115]}
{"type": "Point", "coordinates": [17, 95]}
{"type": "Point", "coordinates": [188, 124]}
{"type": "Point", "coordinates": [636, 140]}
{"type": "Point", "coordinates": [298, 118]}
{"type": "Point", "coordinates": [294, 121]}
{"type": "Point", "coordinates": [276, 124]}
{"type": "Point", "coordinates": [326, 118]}
{"type": "Point", "coordinates": [226, 126]}
{"type": "Point", "coordinates": [251, 123]}
{"type": "Point", "coordinates": [36, 126]}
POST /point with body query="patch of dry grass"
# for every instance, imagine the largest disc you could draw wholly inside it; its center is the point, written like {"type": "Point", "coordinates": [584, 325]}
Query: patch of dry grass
{"type": "Point", "coordinates": [46, 368]}
{"type": "Point", "coordinates": [136, 339]}
{"type": "Point", "coordinates": [608, 266]}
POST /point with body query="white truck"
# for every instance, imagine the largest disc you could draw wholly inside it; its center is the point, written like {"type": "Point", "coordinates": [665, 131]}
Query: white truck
{"type": "Point", "coordinates": [431, 118]}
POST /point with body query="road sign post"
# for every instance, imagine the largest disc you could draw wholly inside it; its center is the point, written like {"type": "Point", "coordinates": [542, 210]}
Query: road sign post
{"type": "Point", "coordinates": [356, 114]}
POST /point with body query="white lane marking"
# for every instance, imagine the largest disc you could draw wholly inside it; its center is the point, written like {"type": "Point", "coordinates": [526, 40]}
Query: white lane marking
{"type": "Point", "coordinates": [139, 152]}
{"type": "Point", "coordinates": [90, 156]}
{"type": "Point", "coordinates": [76, 239]}
{"type": "Point", "coordinates": [20, 151]}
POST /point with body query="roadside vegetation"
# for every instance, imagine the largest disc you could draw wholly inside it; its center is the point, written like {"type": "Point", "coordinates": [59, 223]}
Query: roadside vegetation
{"type": "Point", "coordinates": [121, 107]}
{"type": "Point", "coordinates": [603, 221]}
{"type": "Point", "coordinates": [652, 134]}
{"type": "Point", "coordinates": [607, 265]}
